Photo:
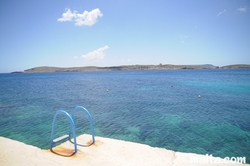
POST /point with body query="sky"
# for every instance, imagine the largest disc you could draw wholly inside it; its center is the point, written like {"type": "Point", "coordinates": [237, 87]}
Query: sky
{"type": "Point", "coordinates": [77, 33]}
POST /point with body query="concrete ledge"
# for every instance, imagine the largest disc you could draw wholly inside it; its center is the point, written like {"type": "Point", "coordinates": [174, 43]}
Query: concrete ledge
{"type": "Point", "coordinates": [105, 151]}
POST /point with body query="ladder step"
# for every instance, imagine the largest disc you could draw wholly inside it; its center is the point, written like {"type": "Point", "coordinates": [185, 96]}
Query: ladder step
{"type": "Point", "coordinates": [61, 138]}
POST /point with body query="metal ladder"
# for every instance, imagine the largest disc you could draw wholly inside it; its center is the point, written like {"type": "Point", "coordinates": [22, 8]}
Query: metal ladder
{"type": "Point", "coordinates": [90, 120]}
{"type": "Point", "coordinates": [72, 129]}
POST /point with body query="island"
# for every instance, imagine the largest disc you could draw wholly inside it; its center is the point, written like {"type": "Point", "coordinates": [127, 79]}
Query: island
{"type": "Point", "coordinates": [125, 67]}
{"type": "Point", "coordinates": [132, 67]}
{"type": "Point", "coordinates": [237, 66]}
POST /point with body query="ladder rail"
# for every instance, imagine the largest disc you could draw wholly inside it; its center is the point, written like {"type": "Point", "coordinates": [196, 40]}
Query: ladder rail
{"type": "Point", "coordinates": [61, 138]}
{"type": "Point", "coordinates": [90, 119]}
{"type": "Point", "coordinates": [72, 129]}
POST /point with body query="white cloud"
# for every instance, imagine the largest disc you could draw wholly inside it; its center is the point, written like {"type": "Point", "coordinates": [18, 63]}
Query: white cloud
{"type": "Point", "coordinates": [95, 55]}
{"type": "Point", "coordinates": [223, 11]}
{"type": "Point", "coordinates": [67, 16]}
{"type": "Point", "coordinates": [86, 18]}
{"type": "Point", "coordinates": [75, 57]}
{"type": "Point", "coordinates": [242, 9]}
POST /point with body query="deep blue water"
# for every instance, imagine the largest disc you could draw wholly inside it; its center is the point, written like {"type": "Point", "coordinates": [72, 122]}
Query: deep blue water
{"type": "Point", "coordinates": [160, 108]}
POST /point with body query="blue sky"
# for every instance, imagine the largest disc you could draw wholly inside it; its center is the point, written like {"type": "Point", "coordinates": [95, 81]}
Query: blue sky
{"type": "Point", "coordinates": [74, 33]}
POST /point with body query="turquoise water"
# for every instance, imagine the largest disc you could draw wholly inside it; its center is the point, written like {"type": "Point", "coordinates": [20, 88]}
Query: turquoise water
{"type": "Point", "coordinates": [160, 108]}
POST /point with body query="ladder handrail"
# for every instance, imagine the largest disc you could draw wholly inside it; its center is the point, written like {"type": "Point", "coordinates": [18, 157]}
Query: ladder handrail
{"type": "Point", "coordinates": [90, 119]}
{"type": "Point", "coordinates": [72, 129]}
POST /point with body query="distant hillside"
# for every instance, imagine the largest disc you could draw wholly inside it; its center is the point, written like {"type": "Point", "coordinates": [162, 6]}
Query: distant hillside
{"type": "Point", "coordinates": [60, 69]}
{"type": "Point", "coordinates": [129, 67]}
{"type": "Point", "coordinates": [236, 66]}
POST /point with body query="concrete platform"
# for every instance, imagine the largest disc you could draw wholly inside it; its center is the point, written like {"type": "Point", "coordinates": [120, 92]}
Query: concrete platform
{"type": "Point", "coordinates": [105, 151]}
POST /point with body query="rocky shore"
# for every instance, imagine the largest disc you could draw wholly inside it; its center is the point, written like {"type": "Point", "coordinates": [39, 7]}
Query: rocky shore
{"type": "Point", "coordinates": [129, 67]}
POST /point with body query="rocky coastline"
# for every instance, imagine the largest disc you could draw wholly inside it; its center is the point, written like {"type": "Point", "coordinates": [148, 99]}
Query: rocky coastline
{"type": "Point", "coordinates": [130, 67]}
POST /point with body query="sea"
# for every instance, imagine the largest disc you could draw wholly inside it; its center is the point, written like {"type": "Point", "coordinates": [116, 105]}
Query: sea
{"type": "Point", "coordinates": [204, 111]}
